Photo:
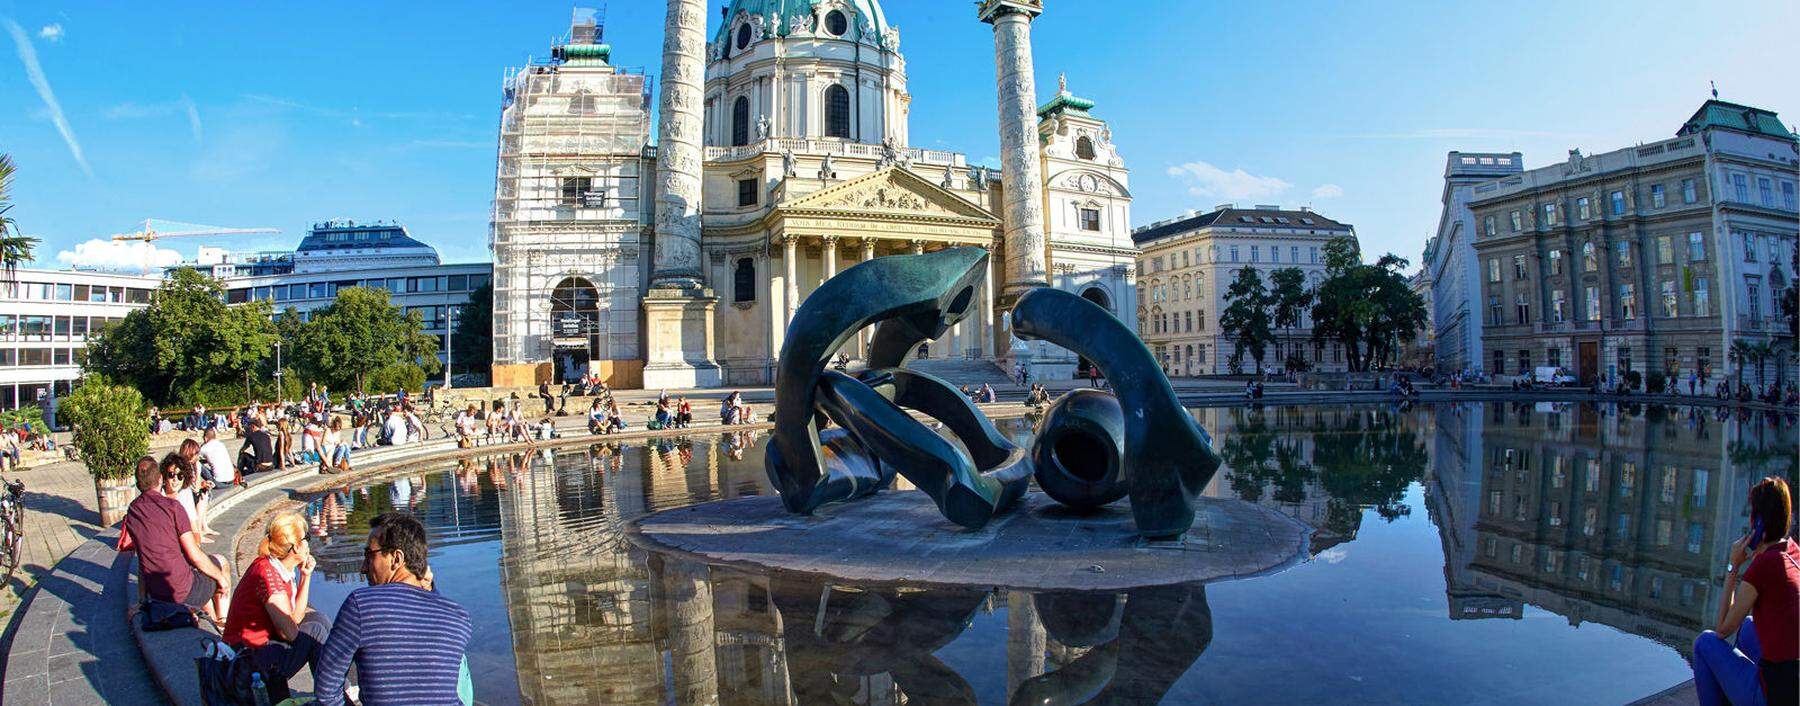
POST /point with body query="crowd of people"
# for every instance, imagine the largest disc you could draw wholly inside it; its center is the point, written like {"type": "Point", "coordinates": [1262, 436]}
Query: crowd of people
{"type": "Point", "coordinates": [16, 440]}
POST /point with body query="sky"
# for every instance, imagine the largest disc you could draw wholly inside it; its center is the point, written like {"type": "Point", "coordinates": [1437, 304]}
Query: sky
{"type": "Point", "coordinates": [279, 115]}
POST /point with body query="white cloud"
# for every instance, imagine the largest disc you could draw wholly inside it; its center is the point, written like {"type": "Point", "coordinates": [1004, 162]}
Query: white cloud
{"type": "Point", "coordinates": [1204, 179]}
{"type": "Point", "coordinates": [51, 32]}
{"type": "Point", "coordinates": [1328, 191]}
{"type": "Point", "coordinates": [118, 255]}
{"type": "Point", "coordinates": [35, 72]}
{"type": "Point", "coordinates": [1333, 555]}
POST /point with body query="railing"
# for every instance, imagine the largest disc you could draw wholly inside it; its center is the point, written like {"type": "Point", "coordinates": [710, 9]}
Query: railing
{"type": "Point", "coordinates": [841, 148]}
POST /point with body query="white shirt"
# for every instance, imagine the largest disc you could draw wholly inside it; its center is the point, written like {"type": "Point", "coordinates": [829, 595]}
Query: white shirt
{"type": "Point", "coordinates": [216, 456]}
{"type": "Point", "coordinates": [396, 429]}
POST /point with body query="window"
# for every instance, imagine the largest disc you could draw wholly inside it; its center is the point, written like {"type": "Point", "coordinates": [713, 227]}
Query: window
{"type": "Point", "coordinates": [1618, 202]}
{"type": "Point", "coordinates": [1522, 308]}
{"type": "Point", "coordinates": [1234, 253]}
{"type": "Point", "coordinates": [1583, 208]}
{"type": "Point", "coordinates": [1518, 267]}
{"type": "Point", "coordinates": [836, 23]}
{"type": "Point", "coordinates": [1556, 262]}
{"type": "Point", "coordinates": [1499, 362]}
{"type": "Point", "coordinates": [1665, 250]}
{"type": "Point", "coordinates": [572, 190]}
{"type": "Point", "coordinates": [743, 281]}
{"type": "Point", "coordinates": [1518, 221]}
{"type": "Point", "coordinates": [1755, 297]}
{"type": "Point", "coordinates": [1703, 361]}
{"type": "Point", "coordinates": [837, 112]}
{"type": "Point", "coordinates": [1524, 362]}
{"type": "Point", "coordinates": [1702, 297]}
{"type": "Point", "coordinates": [1765, 191]}
{"type": "Point", "coordinates": [1553, 358]}
{"type": "Point", "coordinates": [1623, 251]}
{"type": "Point", "coordinates": [740, 121]}
{"type": "Point", "coordinates": [1494, 309]}
{"type": "Point", "coordinates": [1313, 255]}
{"type": "Point", "coordinates": [1657, 198]}
{"type": "Point", "coordinates": [1090, 220]}
{"type": "Point", "coordinates": [1671, 363]}
{"type": "Point", "coordinates": [746, 192]}
{"type": "Point", "coordinates": [1487, 226]}
{"type": "Point", "coordinates": [1689, 193]}
{"type": "Point", "coordinates": [1549, 214]}
{"type": "Point", "coordinates": [1741, 185]}
{"type": "Point", "coordinates": [1084, 148]}
{"type": "Point", "coordinates": [743, 35]}
{"type": "Point", "coordinates": [1787, 195]}
{"type": "Point", "coordinates": [1590, 260]}
{"type": "Point", "coordinates": [1749, 247]}
{"type": "Point", "coordinates": [1493, 269]}
{"type": "Point", "coordinates": [1627, 302]}
{"type": "Point", "coordinates": [1593, 304]}
{"type": "Point", "coordinates": [1668, 299]}
{"type": "Point", "coordinates": [1255, 253]}
{"type": "Point", "coordinates": [1557, 312]}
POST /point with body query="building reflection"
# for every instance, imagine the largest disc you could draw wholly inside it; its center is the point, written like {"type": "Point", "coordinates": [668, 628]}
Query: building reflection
{"type": "Point", "coordinates": [1615, 514]}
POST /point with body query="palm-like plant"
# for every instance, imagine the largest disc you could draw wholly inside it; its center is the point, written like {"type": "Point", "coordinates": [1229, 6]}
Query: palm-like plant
{"type": "Point", "coordinates": [15, 249]}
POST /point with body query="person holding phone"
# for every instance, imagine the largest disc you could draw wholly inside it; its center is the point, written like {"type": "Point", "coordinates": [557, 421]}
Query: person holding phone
{"type": "Point", "coordinates": [1762, 608]}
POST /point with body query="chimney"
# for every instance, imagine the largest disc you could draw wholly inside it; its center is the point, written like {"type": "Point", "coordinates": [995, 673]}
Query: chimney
{"type": "Point", "coordinates": [1268, 207]}
{"type": "Point", "coordinates": [1224, 206]}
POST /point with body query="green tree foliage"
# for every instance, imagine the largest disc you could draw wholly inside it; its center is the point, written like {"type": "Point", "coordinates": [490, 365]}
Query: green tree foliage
{"type": "Point", "coordinates": [1369, 309]}
{"type": "Point", "coordinates": [361, 333]}
{"type": "Point", "coordinates": [1246, 320]}
{"type": "Point", "coordinates": [187, 343]}
{"type": "Point", "coordinates": [110, 426]}
{"type": "Point", "coordinates": [15, 249]}
{"type": "Point", "coordinates": [472, 344]}
{"type": "Point", "coordinates": [1292, 300]}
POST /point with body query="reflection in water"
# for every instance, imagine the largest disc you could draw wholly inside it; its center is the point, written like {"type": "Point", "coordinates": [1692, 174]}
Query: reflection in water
{"type": "Point", "coordinates": [1607, 514]}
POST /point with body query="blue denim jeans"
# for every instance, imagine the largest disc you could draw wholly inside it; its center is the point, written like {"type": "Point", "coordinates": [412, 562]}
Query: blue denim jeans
{"type": "Point", "coordinates": [1724, 674]}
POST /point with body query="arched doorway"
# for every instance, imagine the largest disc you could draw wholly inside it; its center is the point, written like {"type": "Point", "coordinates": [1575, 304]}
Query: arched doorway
{"type": "Point", "coordinates": [574, 327]}
{"type": "Point", "coordinates": [1100, 297]}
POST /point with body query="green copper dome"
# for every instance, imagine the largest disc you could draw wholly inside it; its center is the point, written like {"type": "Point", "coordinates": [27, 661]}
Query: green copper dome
{"type": "Point", "coordinates": [857, 13]}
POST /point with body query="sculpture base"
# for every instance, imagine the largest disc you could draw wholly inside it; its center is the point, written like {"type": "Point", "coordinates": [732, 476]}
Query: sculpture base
{"type": "Point", "coordinates": [678, 323]}
{"type": "Point", "coordinates": [899, 537]}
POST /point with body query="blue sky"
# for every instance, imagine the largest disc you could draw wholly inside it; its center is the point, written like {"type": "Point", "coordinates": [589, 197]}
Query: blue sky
{"type": "Point", "coordinates": [281, 114]}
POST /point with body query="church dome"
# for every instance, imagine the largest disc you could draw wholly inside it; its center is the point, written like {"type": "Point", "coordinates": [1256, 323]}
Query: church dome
{"type": "Point", "coordinates": [748, 21]}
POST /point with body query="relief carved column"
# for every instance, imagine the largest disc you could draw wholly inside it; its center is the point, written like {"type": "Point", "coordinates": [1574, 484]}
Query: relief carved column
{"type": "Point", "coordinates": [678, 163]}
{"type": "Point", "coordinates": [1021, 173]}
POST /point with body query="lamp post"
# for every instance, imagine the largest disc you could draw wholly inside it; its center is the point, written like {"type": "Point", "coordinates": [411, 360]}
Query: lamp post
{"type": "Point", "coordinates": [278, 372]}
{"type": "Point", "coordinates": [450, 313]}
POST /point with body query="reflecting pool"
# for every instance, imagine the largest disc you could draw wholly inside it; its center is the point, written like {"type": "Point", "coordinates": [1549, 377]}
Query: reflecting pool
{"type": "Point", "coordinates": [1462, 553]}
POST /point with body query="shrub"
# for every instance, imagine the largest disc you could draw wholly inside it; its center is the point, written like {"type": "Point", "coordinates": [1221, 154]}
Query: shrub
{"type": "Point", "coordinates": [1655, 383]}
{"type": "Point", "coordinates": [405, 376]}
{"type": "Point", "coordinates": [110, 427]}
{"type": "Point", "coordinates": [30, 417]}
{"type": "Point", "coordinates": [1633, 379]}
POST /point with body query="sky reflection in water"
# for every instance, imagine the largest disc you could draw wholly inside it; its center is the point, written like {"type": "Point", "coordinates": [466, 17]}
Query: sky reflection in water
{"type": "Point", "coordinates": [1468, 553]}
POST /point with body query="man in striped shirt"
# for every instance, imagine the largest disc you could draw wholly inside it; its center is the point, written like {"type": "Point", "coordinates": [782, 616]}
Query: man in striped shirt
{"type": "Point", "coordinates": [407, 640]}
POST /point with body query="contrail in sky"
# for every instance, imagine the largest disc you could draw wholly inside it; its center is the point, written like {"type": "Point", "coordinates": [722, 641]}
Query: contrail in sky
{"type": "Point", "coordinates": [28, 57]}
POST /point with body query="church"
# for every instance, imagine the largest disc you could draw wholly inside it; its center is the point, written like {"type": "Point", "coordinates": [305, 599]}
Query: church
{"type": "Point", "coordinates": [783, 156]}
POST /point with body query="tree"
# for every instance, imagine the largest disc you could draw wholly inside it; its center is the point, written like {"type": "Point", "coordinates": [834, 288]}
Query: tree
{"type": "Point", "coordinates": [1291, 301]}
{"type": "Point", "coordinates": [110, 427]}
{"type": "Point", "coordinates": [15, 249]}
{"type": "Point", "coordinates": [361, 333]}
{"type": "Point", "coordinates": [1741, 353]}
{"type": "Point", "coordinates": [472, 345]}
{"type": "Point", "coordinates": [170, 347]}
{"type": "Point", "coordinates": [243, 341]}
{"type": "Point", "coordinates": [1246, 317]}
{"type": "Point", "coordinates": [1368, 309]}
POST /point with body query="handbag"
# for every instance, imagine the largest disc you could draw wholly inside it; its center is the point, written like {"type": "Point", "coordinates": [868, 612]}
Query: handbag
{"type": "Point", "coordinates": [156, 616]}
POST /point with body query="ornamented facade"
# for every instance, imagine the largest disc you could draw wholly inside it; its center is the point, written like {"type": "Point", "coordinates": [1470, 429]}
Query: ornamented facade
{"type": "Point", "coordinates": [807, 169]}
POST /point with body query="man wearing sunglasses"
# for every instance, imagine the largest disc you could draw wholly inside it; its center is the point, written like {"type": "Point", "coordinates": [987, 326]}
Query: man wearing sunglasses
{"type": "Point", "coordinates": [406, 640]}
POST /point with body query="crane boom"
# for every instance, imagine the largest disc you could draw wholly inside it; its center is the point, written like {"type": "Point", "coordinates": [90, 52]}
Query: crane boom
{"type": "Point", "coordinates": [149, 232]}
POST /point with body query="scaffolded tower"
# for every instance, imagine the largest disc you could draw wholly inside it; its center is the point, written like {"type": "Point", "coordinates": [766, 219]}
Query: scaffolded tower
{"type": "Point", "coordinates": [568, 220]}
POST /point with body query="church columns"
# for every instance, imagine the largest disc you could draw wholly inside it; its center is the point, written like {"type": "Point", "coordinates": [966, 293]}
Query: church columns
{"type": "Point", "coordinates": [987, 305]}
{"type": "Point", "coordinates": [789, 258]}
{"type": "Point", "coordinates": [829, 244]}
{"type": "Point", "coordinates": [868, 253]}
{"type": "Point", "coordinates": [676, 257]}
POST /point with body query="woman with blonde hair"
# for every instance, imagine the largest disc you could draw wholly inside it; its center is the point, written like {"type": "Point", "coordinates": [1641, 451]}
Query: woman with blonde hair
{"type": "Point", "coordinates": [269, 622]}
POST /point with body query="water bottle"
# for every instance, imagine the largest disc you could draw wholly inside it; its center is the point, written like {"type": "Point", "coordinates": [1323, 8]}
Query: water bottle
{"type": "Point", "coordinates": [258, 691]}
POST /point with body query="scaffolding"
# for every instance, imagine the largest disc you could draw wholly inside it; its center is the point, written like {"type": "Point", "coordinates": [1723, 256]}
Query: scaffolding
{"type": "Point", "coordinates": [569, 196]}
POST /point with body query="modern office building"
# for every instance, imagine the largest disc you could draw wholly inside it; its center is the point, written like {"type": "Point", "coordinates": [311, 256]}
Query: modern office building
{"type": "Point", "coordinates": [1184, 266]}
{"type": "Point", "coordinates": [46, 319]}
{"type": "Point", "coordinates": [1655, 258]}
{"type": "Point", "coordinates": [1450, 264]}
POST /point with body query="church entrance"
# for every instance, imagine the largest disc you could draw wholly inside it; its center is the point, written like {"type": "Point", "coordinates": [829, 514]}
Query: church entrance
{"type": "Point", "coordinates": [574, 327]}
{"type": "Point", "coordinates": [571, 363]}
{"type": "Point", "coordinates": [1097, 296]}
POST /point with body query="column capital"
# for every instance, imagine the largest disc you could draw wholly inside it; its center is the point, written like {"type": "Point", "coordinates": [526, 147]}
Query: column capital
{"type": "Point", "coordinates": [789, 240]}
{"type": "Point", "coordinates": [829, 240]}
{"type": "Point", "coordinates": [992, 10]}
{"type": "Point", "coordinates": [918, 246]}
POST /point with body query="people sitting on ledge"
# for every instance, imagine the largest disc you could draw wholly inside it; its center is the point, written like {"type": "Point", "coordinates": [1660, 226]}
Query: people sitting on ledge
{"type": "Point", "coordinates": [1761, 607]}
{"type": "Point", "coordinates": [174, 575]}
{"type": "Point", "coordinates": [270, 623]}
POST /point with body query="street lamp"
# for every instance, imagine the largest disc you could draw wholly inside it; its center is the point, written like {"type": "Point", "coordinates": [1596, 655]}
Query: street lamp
{"type": "Point", "coordinates": [450, 313]}
{"type": "Point", "coordinates": [278, 373]}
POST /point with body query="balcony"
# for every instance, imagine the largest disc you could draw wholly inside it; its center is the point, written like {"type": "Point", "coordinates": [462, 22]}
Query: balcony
{"type": "Point", "coordinates": [836, 148]}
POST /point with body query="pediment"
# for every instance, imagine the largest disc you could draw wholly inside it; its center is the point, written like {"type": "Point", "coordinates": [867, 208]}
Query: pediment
{"type": "Point", "coordinates": [893, 190]}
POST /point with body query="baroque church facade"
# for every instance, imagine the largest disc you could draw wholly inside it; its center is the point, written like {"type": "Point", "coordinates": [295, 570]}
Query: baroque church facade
{"type": "Point", "coordinates": [807, 169]}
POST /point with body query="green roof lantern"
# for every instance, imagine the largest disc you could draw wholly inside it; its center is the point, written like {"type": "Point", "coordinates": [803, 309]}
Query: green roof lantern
{"type": "Point", "coordinates": [1716, 113]}
{"type": "Point", "coordinates": [1065, 101]}
{"type": "Point", "coordinates": [853, 20]}
{"type": "Point", "coordinates": [583, 54]}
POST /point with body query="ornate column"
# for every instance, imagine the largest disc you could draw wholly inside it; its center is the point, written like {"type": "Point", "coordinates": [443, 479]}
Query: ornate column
{"type": "Point", "coordinates": [829, 245]}
{"type": "Point", "coordinates": [1021, 173]}
{"type": "Point", "coordinates": [789, 254]}
{"type": "Point", "coordinates": [918, 247]}
{"type": "Point", "coordinates": [868, 253]}
{"type": "Point", "coordinates": [678, 308]}
{"type": "Point", "coordinates": [988, 329]}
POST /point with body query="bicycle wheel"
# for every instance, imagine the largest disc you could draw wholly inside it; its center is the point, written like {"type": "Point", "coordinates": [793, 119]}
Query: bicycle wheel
{"type": "Point", "coordinates": [14, 540]}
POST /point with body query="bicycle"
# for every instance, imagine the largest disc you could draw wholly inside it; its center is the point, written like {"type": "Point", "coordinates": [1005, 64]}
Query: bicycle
{"type": "Point", "coordinates": [12, 513]}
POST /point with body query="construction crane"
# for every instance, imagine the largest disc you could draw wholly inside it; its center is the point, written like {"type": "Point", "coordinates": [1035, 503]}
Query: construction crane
{"type": "Point", "coordinates": [154, 229]}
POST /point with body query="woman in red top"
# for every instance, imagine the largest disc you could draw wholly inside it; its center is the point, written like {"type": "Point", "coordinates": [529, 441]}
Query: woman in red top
{"type": "Point", "coordinates": [1763, 609]}
{"type": "Point", "coordinates": [269, 623]}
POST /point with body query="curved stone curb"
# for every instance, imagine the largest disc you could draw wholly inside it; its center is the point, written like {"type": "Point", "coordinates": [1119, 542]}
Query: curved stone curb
{"type": "Point", "coordinates": [899, 538]}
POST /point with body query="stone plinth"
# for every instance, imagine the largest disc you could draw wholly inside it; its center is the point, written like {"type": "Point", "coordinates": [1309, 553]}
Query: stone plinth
{"type": "Point", "coordinates": [899, 537]}
{"type": "Point", "coordinates": [678, 327]}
